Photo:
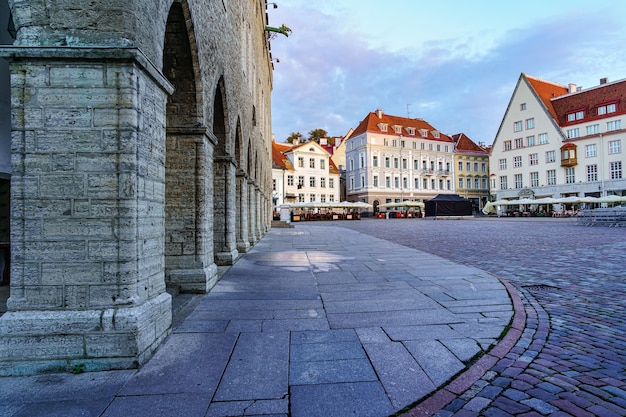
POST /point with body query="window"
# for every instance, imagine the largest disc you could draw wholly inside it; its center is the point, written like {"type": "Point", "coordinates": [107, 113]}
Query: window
{"type": "Point", "coordinates": [430, 146]}
{"type": "Point", "coordinates": [448, 165]}
{"type": "Point", "coordinates": [351, 164]}
{"type": "Point", "coordinates": [416, 164]}
{"type": "Point", "coordinates": [551, 177]}
{"type": "Point", "coordinates": [615, 146]}
{"type": "Point", "coordinates": [502, 163]}
{"type": "Point", "coordinates": [300, 198]}
{"type": "Point", "coordinates": [573, 133]}
{"type": "Point", "coordinates": [405, 182]}
{"type": "Point", "coordinates": [422, 146]}
{"type": "Point", "coordinates": [396, 162]}
{"type": "Point", "coordinates": [432, 184]}
{"type": "Point", "coordinates": [312, 163]}
{"type": "Point", "coordinates": [441, 184]}
{"type": "Point", "coordinates": [519, 143]}
{"type": "Point", "coordinates": [290, 180]}
{"type": "Point", "coordinates": [613, 125]}
{"type": "Point", "coordinates": [550, 156]}
{"type": "Point", "coordinates": [405, 164]}
{"type": "Point", "coordinates": [590, 151]}
{"type": "Point", "coordinates": [300, 181]}
{"type": "Point", "coordinates": [425, 181]}
{"type": "Point", "coordinates": [432, 165]}
{"type": "Point", "coordinates": [579, 115]}
{"type": "Point", "coordinates": [534, 179]}
{"type": "Point", "coordinates": [522, 106]}
{"type": "Point", "coordinates": [323, 182]}
{"type": "Point", "coordinates": [530, 123]}
{"type": "Point", "coordinates": [483, 167]}
{"type": "Point", "coordinates": [519, 183]}
{"type": "Point", "coordinates": [517, 126]}
{"type": "Point", "coordinates": [331, 198]}
{"type": "Point", "coordinates": [331, 183]}
{"type": "Point", "coordinates": [300, 162]}
{"type": "Point", "coordinates": [616, 170]}
{"type": "Point", "coordinates": [362, 181]}
{"type": "Point", "coordinates": [484, 181]}
{"type": "Point", "coordinates": [394, 143]}
{"type": "Point", "coordinates": [460, 182]}
{"type": "Point", "coordinates": [375, 180]}
{"type": "Point", "coordinates": [507, 145]}
{"type": "Point", "coordinates": [417, 183]}
{"type": "Point", "coordinates": [468, 166]}
{"type": "Point", "coordinates": [517, 161]}
{"type": "Point", "coordinates": [475, 166]}
{"type": "Point", "coordinates": [593, 129]}
{"type": "Point", "coordinates": [375, 160]}
{"type": "Point", "coordinates": [274, 184]}
{"type": "Point", "coordinates": [448, 185]}
{"type": "Point", "coordinates": [387, 162]}
{"type": "Point", "coordinates": [570, 178]}
{"type": "Point", "coordinates": [312, 181]}
{"type": "Point", "coordinates": [396, 182]}
{"type": "Point", "coordinates": [610, 108]}
{"type": "Point", "coordinates": [543, 138]}
{"type": "Point", "coordinates": [323, 198]}
{"type": "Point", "coordinates": [386, 142]}
{"type": "Point", "coordinates": [322, 164]}
{"type": "Point", "coordinates": [468, 184]}
{"type": "Point", "coordinates": [438, 148]}
{"type": "Point", "coordinates": [533, 159]}
{"type": "Point", "coordinates": [592, 173]}
{"type": "Point", "coordinates": [402, 144]}
{"type": "Point", "coordinates": [388, 182]}
{"type": "Point", "coordinates": [460, 166]}
{"type": "Point", "coordinates": [503, 184]}
{"type": "Point", "coordinates": [361, 161]}
{"type": "Point", "coordinates": [530, 141]}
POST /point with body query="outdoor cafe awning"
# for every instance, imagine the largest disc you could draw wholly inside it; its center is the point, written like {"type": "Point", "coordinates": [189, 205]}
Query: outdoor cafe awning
{"type": "Point", "coordinates": [330, 205]}
{"type": "Point", "coordinates": [490, 207]}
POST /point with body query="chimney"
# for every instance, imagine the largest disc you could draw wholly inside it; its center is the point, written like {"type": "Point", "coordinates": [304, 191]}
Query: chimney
{"type": "Point", "coordinates": [604, 80]}
{"type": "Point", "coordinates": [572, 88]}
{"type": "Point", "coordinates": [379, 113]}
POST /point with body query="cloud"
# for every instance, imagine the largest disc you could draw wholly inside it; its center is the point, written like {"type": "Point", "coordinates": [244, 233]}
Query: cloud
{"type": "Point", "coordinates": [330, 77]}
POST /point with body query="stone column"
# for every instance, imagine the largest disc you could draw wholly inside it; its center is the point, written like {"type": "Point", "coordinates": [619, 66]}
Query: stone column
{"type": "Point", "coordinates": [243, 243]}
{"type": "Point", "coordinates": [224, 213]}
{"type": "Point", "coordinates": [253, 237]}
{"type": "Point", "coordinates": [87, 222]}
{"type": "Point", "coordinates": [189, 263]}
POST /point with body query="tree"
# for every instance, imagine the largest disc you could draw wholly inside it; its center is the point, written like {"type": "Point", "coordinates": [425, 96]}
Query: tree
{"type": "Point", "coordinates": [316, 134]}
{"type": "Point", "coordinates": [294, 136]}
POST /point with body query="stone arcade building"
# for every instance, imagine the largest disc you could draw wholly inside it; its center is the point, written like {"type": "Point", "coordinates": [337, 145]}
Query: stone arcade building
{"type": "Point", "coordinates": [141, 159]}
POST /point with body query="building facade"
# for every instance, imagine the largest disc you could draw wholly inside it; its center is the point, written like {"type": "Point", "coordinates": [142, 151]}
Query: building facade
{"type": "Point", "coordinates": [560, 141]}
{"type": "Point", "coordinates": [304, 173]}
{"type": "Point", "coordinates": [141, 149]}
{"type": "Point", "coordinates": [393, 159]}
{"type": "Point", "coordinates": [472, 170]}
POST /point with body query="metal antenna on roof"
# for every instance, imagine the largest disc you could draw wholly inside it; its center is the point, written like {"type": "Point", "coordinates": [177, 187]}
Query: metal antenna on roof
{"type": "Point", "coordinates": [408, 111]}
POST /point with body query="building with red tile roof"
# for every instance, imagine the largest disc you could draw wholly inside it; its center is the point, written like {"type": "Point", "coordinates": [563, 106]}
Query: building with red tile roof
{"type": "Point", "coordinates": [472, 170]}
{"type": "Point", "coordinates": [393, 159]}
{"type": "Point", "coordinates": [303, 172]}
{"type": "Point", "coordinates": [560, 141]}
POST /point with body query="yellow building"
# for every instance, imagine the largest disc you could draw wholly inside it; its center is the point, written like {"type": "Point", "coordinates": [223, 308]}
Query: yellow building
{"type": "Point", "coordinates": [472, 170]}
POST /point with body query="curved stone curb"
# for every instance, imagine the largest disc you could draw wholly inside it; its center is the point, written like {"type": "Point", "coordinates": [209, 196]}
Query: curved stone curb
{"type": "Point", "coordinates": [444, 395]}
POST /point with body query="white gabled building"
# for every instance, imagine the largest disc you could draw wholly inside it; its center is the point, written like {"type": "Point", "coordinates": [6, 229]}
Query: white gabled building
{"type": "Point", "coordinates": [560, 141]}
{"type": "Point", "coordinates": [393, 159]}
{"type": "Point", "coordinates": [303, 173]}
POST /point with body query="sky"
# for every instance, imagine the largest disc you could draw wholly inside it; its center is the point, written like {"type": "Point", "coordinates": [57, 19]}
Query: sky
{"type": "Point", "coordinates": [453, 63]}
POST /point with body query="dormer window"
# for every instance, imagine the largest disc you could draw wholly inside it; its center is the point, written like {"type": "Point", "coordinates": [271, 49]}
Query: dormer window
{"type": "Point", "coordinates": [435, 134]}
{"type": "Point", "coordinates": [397, 129]}
{"type": "Point", "coordinates": [578, 115]}
{"type": "Point", "coordinates": [606, 109]}
{"type": "Point", "coordinates": [411, 130]}
{"type": "Point", "coordinates": [382, 126]}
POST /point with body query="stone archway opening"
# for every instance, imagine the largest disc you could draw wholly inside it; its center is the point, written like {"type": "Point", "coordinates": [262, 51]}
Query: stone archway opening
{"type": "Point", "coordinates": [187, 164]}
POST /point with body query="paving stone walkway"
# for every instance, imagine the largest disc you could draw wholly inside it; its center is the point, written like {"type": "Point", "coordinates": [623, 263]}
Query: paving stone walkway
{"type": "Point", "coordinates": [571, 358]}
{"type": "Point", "coordinates": [313, 321]}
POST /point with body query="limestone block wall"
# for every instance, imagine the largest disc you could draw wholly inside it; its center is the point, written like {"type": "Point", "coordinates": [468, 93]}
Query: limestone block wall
{"type": "Point", "coordinates": [129, 160]}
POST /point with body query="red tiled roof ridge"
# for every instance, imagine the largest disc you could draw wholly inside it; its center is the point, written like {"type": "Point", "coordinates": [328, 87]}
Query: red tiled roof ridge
{"type": "Point", "coordinates": [464, 144]}
{"type": "Point", "coordinates": [371, 121]}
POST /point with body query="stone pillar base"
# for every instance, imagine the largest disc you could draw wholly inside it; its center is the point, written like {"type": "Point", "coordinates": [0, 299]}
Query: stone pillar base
{"type": "Point", "coordinates": [226, 258]}
{"type": "Point", "coordinates": [193, 280]}
{"type": "Point", "coordinates": [243, 247]}
{"type": "Point", "coordinates": [35, 342]}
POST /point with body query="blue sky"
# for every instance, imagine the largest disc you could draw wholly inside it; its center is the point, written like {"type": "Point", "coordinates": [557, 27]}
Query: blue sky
{"type": "Point", "coordinates": [453, 63]}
